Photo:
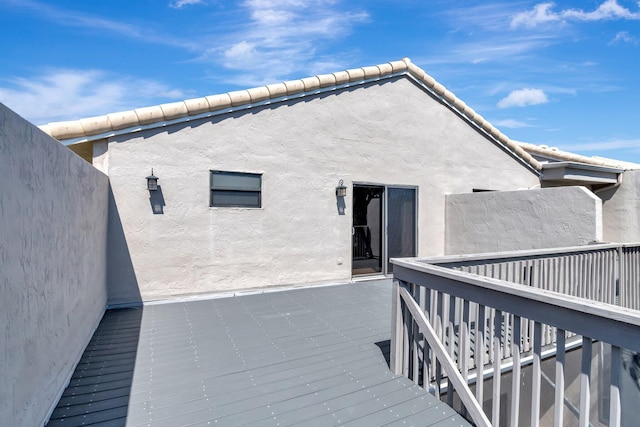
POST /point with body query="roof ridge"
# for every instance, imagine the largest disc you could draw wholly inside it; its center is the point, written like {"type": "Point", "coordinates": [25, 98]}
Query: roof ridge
{"type": "Point", "coordinates": [64, 130]}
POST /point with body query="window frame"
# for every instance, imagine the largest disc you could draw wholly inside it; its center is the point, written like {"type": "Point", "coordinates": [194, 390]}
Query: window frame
{"type": "Point", "coordinates": [239, 189]}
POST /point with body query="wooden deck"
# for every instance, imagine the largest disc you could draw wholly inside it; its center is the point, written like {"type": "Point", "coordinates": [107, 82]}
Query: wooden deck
{"type": "Point", "coordinates": [313, 356]}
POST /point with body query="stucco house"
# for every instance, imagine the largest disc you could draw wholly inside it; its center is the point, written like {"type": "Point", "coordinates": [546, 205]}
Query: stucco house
{"type": "Point", "coordinates": [314, 181]}
{"type": "Point", "coordinates": [248, 180]}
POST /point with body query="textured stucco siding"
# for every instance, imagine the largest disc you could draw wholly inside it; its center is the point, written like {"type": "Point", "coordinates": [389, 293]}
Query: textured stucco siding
{"type": "Point", "coordinates": [621, 209]}
{"type": "Point", "coordinates": [388, 133]}
{"type": "Point", "coordinates": [53, 225]}
{"type": "Point", "coordinates": [532, 219]}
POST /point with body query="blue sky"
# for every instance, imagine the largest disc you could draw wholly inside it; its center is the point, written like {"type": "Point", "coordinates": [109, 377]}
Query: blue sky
{"type": "Point", "coordinates": [563, 74]}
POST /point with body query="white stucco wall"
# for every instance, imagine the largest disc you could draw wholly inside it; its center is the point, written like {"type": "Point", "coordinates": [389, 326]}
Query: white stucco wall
{"type": "Point", "coordinates": [532, 219]}
{"type": "Point", "coordinates": [390, 133]}
{"type": "Point", "coordinates": [621, 209]}
{"type": "Point", "coordinates": [53, 224]}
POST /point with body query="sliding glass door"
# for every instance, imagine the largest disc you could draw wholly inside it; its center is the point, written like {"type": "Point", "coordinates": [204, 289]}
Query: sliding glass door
{"type": "Point", "coordinates": [384, 227]}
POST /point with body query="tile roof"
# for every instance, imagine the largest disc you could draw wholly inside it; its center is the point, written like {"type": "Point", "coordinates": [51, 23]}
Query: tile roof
{"type": "Point", "coordinates": [556, 154]}
{"type": "Point", "coordinates": [160, 115]}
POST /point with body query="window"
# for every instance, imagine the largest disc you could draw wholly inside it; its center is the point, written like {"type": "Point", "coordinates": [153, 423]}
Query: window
{"type": "Point", "coordinates": [236, 189]}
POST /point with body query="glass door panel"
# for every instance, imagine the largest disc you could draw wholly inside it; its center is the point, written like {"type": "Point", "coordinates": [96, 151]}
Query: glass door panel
{"type": "Point", "coordinates": [367, 237]}
{"type": "Point", "coordinates": [401, 224]}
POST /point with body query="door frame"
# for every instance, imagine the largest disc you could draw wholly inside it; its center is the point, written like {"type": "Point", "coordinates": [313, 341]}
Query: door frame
{"type": "Point", "coordinates": [384, 224]}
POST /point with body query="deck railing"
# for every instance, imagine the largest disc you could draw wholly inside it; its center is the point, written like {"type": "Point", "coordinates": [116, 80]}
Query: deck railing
{"type": "Point", "coordinates": [458, 320]}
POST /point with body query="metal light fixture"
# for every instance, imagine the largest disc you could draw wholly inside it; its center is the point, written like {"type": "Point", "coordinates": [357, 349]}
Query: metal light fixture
{"type": "Point", "coordinates": [341, 190]}
{"type": "Point", "coordinates": [152, 182]}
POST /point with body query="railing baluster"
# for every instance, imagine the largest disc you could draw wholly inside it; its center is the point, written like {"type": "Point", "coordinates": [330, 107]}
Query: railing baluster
{"type": "Point", "coordinates": [452, 345]}
{"type": "Point", "coordinates": [585, 382]}
{"type": "Point", "coordinates": [559, 391]}
{"type": "Point", "coordinates": [497, 338]}
{"type": "Point", "coordinates": [415, 366]}
{"type": "Point", "coordinates": [395, 348]}
{"type": "Point", "coordinates": [515, 380]}
{"type": "Point", "coordinates": [405, 340]}
{"type": "Point", "coordinates": [492, 354]}
{"type": "Point", "coordinates": [426, 356]}
{"type": "Point", "coordinates": [465, 338]}
{"type": "Point", "coordinates": [437, 309]}
{"type": "Point", "coordinates": [452, 327]}
{"type": "Point", "coordinates": [446, 334]}
{"type": "Point", "coordinates": [479, 353]}
{"type": "Point", "coordinates": [614, 408]}
{"type": "Point", "coordinates": [437, 391]}
{"type": "Point", "coordinates": [460, 322]}
{"type": "Point", "coordinates": [535, 382]}
{"type": "Point", "coordinates": [632, 283]}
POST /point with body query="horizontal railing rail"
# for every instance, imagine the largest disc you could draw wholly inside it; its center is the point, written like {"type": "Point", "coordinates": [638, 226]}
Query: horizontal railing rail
{"type": "Point", "coordinates": [455, 324]}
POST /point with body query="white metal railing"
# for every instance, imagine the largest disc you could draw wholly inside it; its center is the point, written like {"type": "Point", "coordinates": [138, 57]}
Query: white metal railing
{"type": "Point", "coordinates": [455, 324]}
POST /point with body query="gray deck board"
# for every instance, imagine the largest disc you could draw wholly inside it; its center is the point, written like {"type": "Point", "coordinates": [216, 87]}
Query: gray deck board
{"type": "Point", "coordinates": [312, 356]}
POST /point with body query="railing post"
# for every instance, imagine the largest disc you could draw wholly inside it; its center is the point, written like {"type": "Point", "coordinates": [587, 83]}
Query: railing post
{"type": "Point", "coordinates": [395, 347]}
{"type": "Point", "coordinates": [585, 382]}
{"type": "Point", "coordinates": [559, 389]}
{"type": "Point", "coordinates": [614, 409]}
{"type": "Point", "coordinates": [620, 277]}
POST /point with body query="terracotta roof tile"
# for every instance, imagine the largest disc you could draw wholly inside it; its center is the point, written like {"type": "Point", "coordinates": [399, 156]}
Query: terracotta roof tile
{"type": "Point", "coordinates": [219, 102]}
{"type": "Point", "coordinates": [258, 94]}
{"type": "Point", "coordinates": [342, 77]}
{"type": "Point", "coordinates": [356, 74]}
{"type": "Point", "coordinates": [311, 83]}
{"type": "Point", "coordinates": [277, 90]}
{"type": "Point", "coordinates": [174, 110]}
{"type": "Point", "coordinates": [197, 106]}
{"type": "Point", "coordinates": [327, 80]}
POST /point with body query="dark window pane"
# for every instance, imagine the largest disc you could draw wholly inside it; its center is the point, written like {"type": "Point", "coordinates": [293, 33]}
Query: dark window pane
{"type": "Point", "coordinates": [235, 181]}
{"type": "Point", "coordinates": [225, 198]}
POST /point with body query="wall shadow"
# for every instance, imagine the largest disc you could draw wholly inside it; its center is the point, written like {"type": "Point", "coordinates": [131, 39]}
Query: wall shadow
{"type": "Point", "coordinates": [385, 349]}
{"type": "Point", "coordinates": [122, 284]}
{"type": "Point", "coordinates": [100, 387]}
{"type": "Point", "coordinates": [156, 198]}
{"type": "Point", "coordinates": [341, 205]}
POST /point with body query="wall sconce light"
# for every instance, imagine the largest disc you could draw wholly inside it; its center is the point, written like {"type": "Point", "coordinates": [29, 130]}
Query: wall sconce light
{"type": "Point", "coordinates": [152, 182]}
{"type": "Point", "coordinates": [341, 190]}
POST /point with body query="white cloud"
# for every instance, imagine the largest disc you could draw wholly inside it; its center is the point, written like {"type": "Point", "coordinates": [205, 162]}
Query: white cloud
{"type": "Point", "coordinates": [543, 13]}
{"type": "Point", "coordinates": [523, 97]}
{"type": "Point", "coordinates": [511, 123]}
{"type": "Point", "coordinates": [623, 37]}
{"type": "Point", "coordinates": [90, 22]}
{"type": "Point", "coordinates": [179, 4]}
{"type": "Point", "coordinates": [66, 94]}
{"type": "Point", "coordinates": [282, 37]}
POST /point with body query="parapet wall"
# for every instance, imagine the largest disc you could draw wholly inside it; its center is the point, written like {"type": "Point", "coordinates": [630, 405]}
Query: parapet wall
{"type": "Point", "coordinates": [53, 231]}
{"type": "Point", "coordinates": [529, 219]}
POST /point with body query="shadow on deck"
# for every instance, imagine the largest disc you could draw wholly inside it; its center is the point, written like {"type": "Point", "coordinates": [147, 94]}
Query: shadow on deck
{"type": "Point", "coordinates": [313, 356]}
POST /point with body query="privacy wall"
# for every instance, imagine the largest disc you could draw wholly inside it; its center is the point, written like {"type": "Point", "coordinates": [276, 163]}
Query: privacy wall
{"type": "Point", "coordinates": [621, 209]}
{"type": "Point", "coordinates": [511, 220]}
{"type": "Point", "coordinates": [53, 229]}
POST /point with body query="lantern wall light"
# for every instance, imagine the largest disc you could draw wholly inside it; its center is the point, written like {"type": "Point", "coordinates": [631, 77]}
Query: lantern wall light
{"type": "Point", "coordinates": [341, 190]}
{"type": "Point", "coordinates": [152, 182]}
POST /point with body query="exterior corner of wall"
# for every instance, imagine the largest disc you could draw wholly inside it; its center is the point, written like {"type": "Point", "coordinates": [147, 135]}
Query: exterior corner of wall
{"type": "Point", "coordinates": [599, 219]}
{"type": "Point", "coordinates": [101, 155]}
